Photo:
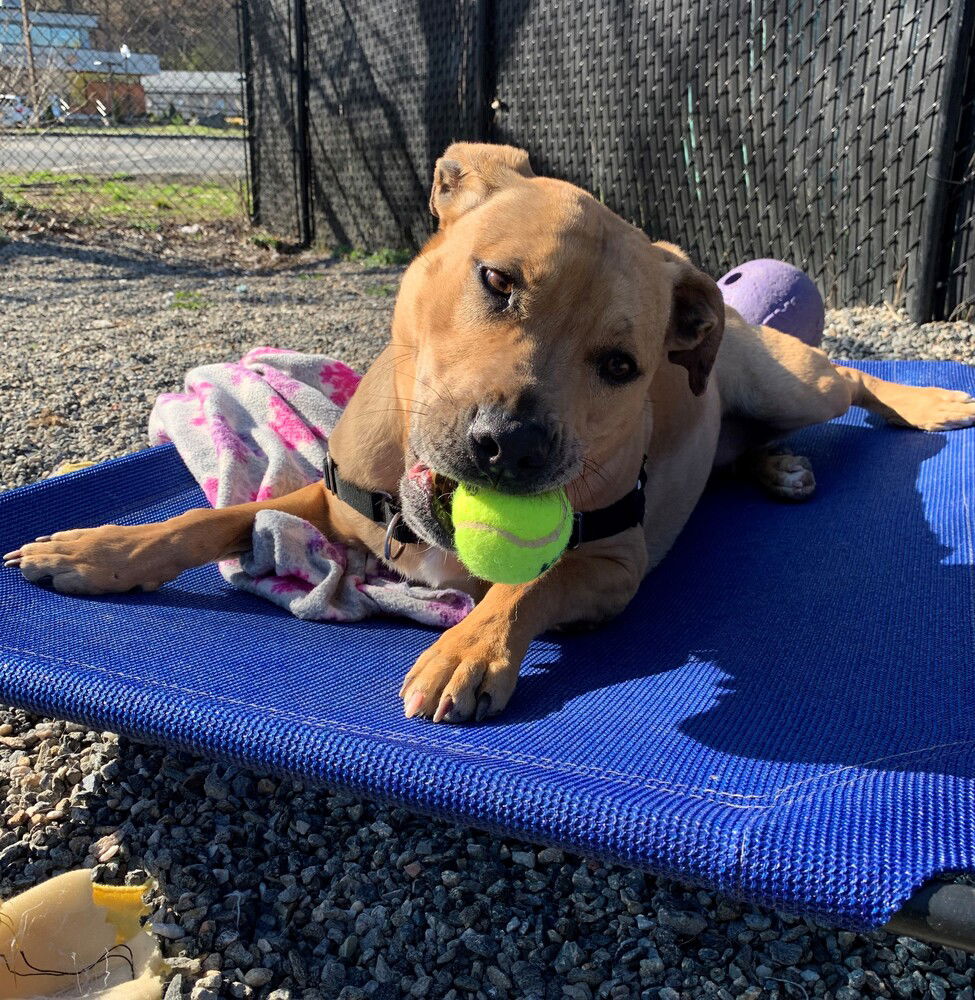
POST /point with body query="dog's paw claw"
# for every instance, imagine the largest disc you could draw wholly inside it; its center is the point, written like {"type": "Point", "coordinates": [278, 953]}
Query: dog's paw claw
{"type": "Point", "coordinates": [444, 709]}
{"type": "Point", "coordinates": [413, 704]}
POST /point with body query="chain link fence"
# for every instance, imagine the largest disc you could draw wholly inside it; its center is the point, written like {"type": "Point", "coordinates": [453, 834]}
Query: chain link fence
{"type": "Point", "coordinates": [123, 112]}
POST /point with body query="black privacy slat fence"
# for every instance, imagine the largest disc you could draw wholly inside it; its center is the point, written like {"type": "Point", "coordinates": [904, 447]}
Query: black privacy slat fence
{"type": "Point", "coordinates": [836, 134]}
{"type": "Point", "coordinates": [958, 288]}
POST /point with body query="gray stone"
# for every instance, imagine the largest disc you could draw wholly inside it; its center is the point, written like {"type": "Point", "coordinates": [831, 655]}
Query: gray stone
{"type": "Point", "coordinates": [169, 931]}
{"type": "Point", "coordinates": [683, 922]}
{"type": "Point", "coordinates": [349, 948]}
{"type": "Point", "coordinates": [215, 787]}
{"type": "Point", "coordinates": [421, 987]}
{"type": "Point", "coordinates": [570, 956]}
{"type": "Point", "coordinates": [332, 977]}
{"type": "Point", "coordinates": [174, 989]}
{"type": "Point", "coordinates": [480, 944]}
{"type": "Point", "coordinates": [258, 977]}
{"type": "Point", "coordinates": [785, 952]}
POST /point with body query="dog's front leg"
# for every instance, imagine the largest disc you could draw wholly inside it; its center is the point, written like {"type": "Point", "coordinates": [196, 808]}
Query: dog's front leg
{"type": "Point", "coordinates": [470, 672]}
{"type": "Point", "coordinates": [115, 558]}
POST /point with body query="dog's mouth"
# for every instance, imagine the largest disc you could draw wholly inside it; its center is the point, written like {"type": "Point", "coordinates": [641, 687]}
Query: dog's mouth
{"type": "Point", "coordinates": [439, 487]}
{"type": "Point", "coordinates": [425, 500]}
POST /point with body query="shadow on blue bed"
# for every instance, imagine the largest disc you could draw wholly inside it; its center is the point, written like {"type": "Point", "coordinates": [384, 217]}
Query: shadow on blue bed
{"type": "Point", "coordinates": [829, 649]}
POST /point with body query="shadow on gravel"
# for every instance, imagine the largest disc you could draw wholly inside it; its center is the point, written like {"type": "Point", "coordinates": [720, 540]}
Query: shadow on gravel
{"type": "Point", "coordinates": [132, 262]}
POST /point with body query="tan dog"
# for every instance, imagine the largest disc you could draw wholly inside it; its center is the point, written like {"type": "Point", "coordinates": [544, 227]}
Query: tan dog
{"type": "Point", "coordinates": [537, 341]}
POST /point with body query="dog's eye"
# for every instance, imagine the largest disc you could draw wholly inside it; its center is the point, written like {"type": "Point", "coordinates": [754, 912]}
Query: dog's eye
{"type": "Point", "coordinates": [496, 282]}
{"type": "Point", "coordinates": [617, 368]}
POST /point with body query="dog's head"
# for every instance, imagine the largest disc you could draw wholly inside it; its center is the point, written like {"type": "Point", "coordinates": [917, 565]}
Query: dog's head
{"type": "Point", "coordinates": [536, 320]}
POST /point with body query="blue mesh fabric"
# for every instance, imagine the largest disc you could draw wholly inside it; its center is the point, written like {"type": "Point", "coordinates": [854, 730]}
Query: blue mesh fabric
{"type": "Point", "coordinates": [786, 712]}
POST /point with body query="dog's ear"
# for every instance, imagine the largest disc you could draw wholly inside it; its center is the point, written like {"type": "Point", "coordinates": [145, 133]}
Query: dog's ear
{"type": "Point", "coordinates": [470, 172]}
{"type": "Point", "coordinates": [696, 325]}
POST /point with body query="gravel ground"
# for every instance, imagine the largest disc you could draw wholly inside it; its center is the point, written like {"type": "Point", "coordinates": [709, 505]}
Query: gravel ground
{"type": "Point", "coordinates": [269, 890]}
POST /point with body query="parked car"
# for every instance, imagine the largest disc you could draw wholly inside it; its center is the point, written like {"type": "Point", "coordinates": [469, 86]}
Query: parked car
{"type": "Point", "coordinates": [14, 110]}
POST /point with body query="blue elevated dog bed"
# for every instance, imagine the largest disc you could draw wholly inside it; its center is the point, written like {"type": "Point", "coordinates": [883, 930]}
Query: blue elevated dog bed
{"type": "Point", "coordinates": [786, 712]}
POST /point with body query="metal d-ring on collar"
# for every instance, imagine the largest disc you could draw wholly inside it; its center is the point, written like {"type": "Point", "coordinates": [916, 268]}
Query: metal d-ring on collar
{"type": "Point", "coordinates": [390, 533]}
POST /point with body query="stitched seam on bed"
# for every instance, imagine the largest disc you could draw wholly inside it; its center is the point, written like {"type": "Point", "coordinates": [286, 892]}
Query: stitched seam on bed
{"type": "Point", "coordinates": [565, 767]}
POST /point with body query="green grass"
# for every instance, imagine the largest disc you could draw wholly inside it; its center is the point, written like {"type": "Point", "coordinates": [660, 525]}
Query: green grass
{"type": "Point", "coordinates": [265, 241]}
{"type": "Point", "coordinates": [188, 300]}
{"type": "Point", "coordinates": [380, 291]}
{"type": "Point", "coordinates": [121, 198]}
{"type": "Point", "coordinates": [383, 257]}
{"type": "Point", "coordinates": [167, 129]}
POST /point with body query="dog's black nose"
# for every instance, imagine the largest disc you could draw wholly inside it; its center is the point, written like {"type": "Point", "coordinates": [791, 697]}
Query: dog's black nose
{"type": "Point", "coordinates": [508, 446]}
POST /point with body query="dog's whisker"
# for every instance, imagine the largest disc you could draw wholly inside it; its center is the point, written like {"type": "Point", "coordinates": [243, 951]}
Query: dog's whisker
{"type": "Point", "coordinates": [418, 402]}
{"type": "Point", "coordinates": [427, 385]}
{"type": "Point", "coordinates": [402, 358]}
{"type": "Point", "coordinates": [590, 466]}
{"type": "Point", "coordinates": [386, 409]}
{"type": "Point", "coordinates": [403, 399]}
{"type": "Point", "coordinates": [396, 362]}
{"type": "Point", "coordinates": [446, 387]}
{"type": "Point", "coordinates": [412, 405]}
{"type": "Point", "coordinates": [411, 351]}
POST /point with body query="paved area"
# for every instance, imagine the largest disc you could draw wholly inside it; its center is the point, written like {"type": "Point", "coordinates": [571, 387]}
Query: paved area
{"type": "Point", "coordinates": [139, 155]}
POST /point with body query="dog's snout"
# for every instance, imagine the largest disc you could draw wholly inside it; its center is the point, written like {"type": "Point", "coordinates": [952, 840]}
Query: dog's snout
{"type": "Point", "coordinates": [509, 447]}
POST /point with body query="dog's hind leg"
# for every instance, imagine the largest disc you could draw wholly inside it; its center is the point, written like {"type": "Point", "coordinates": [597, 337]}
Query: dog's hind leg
{"type": "Point", "coordinates": [779, 472]}
{"type": "Point", "coordinates": [928, 409]}
{"type": "Point", "coordinates": [774, 381]}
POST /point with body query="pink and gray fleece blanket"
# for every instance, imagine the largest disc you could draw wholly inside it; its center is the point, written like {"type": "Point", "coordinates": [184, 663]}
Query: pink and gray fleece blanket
{"type": "Point", "coordinates": [256, 429]}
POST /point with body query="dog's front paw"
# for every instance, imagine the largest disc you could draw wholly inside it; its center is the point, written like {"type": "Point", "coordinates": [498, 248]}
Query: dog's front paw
{"type": "Point", "coordinates": [466, 675]}
{"type": "Point", "coordinates": [105, 560]}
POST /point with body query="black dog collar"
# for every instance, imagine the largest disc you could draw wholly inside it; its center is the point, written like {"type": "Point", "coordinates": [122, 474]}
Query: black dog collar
{"type": "Point", "coordinates": [588, 526]}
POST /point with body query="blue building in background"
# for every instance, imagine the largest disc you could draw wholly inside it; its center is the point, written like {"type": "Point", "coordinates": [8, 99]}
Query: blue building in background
{"type": "Point", "coordinates": [62, 72]}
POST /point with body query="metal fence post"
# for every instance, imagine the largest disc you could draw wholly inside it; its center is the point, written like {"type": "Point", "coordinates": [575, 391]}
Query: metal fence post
{"type": "Point", "coordinates": [928, 299]}
{"type": "Point", "coordinates": [302, 154]}
{"type": "Point", "coordinates": [252, 171]}
{"type": "Point", "coordinates": [486, 70]}
{"type": "Point", "coordinates": [951, 173]}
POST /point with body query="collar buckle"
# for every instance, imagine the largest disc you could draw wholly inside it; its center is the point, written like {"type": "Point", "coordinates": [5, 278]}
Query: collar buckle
{"type": "Point", "coordinates": [575, 538]}
{"type": "Point", "coordinates": [330, 474]}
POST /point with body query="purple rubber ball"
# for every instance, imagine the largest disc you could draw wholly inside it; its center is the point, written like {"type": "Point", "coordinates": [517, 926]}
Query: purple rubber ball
{"type": "Point", "coordinates": [773, 293]}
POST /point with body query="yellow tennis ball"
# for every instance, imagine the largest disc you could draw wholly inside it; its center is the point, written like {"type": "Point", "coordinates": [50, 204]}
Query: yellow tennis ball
{"type": "Point", "coordinates": [509, 539]}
